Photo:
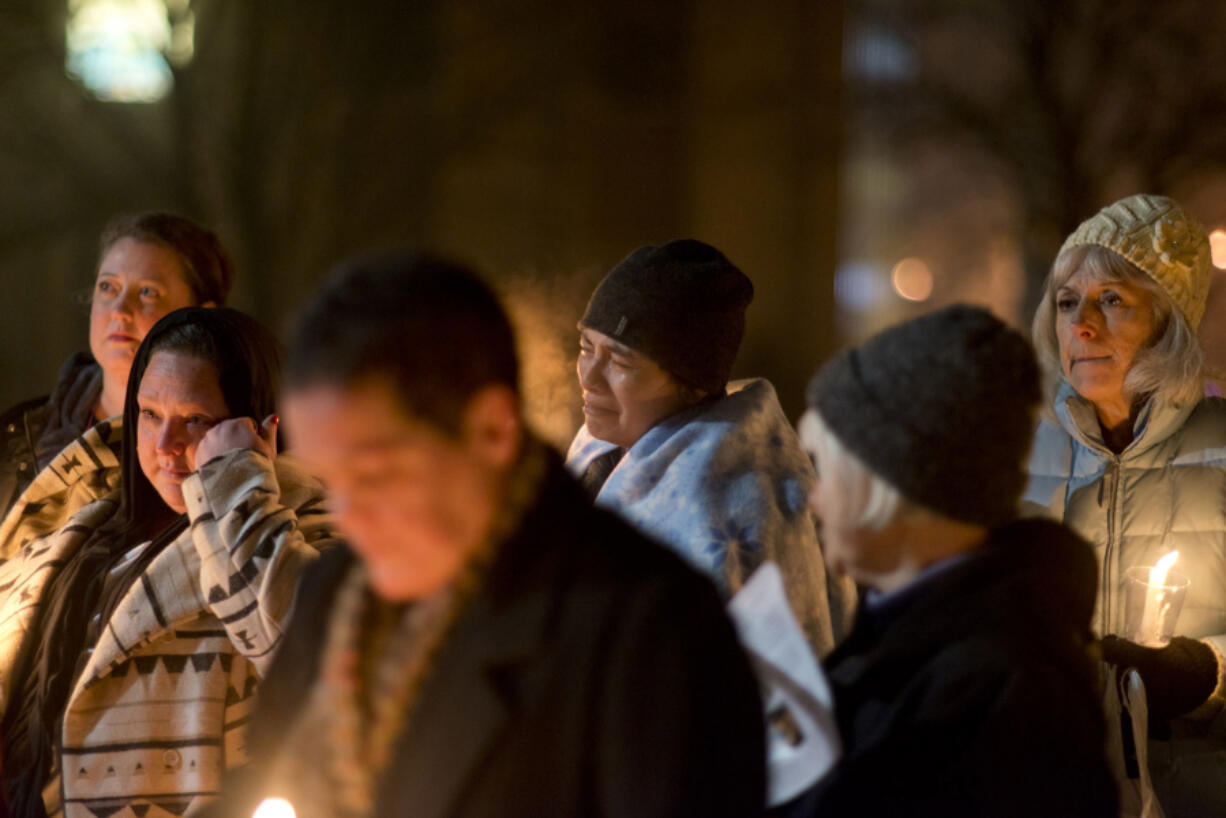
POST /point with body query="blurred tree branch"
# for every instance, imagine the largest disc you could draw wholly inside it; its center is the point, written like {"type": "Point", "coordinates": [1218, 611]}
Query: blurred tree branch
{"type": "Point", "coordinates": [1075, 99]}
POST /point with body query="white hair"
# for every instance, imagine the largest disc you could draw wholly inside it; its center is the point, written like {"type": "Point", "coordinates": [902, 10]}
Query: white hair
{"type": "Point", "coordinates": [870, 501]}
{"type": "Point", "coordinates": [1172, 367]}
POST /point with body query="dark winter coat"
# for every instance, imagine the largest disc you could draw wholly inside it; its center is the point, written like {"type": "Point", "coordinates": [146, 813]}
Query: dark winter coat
{"type": "Point", "coordinates": [35, 431]}
{"type": "Point", "coordinates": [595, 675]}
{"type": "Point", "coordinates": [971, 693]}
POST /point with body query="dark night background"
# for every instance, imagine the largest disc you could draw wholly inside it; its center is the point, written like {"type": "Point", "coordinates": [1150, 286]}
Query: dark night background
{"type": "Point", "coordinates": [816, 143]}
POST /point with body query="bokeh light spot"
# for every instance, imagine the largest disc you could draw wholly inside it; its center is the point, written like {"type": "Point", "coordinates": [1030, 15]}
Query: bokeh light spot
{"type": "Point", "coordinates": [859, 285]}
{"type": "Point", "coordinates": [912, 279]}
{"type": "Point", "coordinates": [122, 50]}
{"type": "Point", "coordinates": [1217, 243]}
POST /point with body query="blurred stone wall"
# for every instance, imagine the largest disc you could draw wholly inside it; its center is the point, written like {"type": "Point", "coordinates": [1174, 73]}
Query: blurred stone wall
{"type": "Point", "coordinates": [540, 141]}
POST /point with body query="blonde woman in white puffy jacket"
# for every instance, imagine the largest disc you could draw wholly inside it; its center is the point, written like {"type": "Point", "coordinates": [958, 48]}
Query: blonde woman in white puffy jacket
{"type": "Point", "coordinates": [1133, 457]}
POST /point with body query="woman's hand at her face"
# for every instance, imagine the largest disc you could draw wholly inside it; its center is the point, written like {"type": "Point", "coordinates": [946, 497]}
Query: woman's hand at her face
{"type": "Point", "coordinates": [239, 433]}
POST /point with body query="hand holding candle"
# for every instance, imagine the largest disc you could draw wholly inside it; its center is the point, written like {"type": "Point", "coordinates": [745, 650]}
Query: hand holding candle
{"type": "Point", "coordinates": [1178, 678]}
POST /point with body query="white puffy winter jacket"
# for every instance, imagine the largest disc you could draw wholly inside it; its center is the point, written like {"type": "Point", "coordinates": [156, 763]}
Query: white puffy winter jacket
{"type": "Point", "coordinates": [1166, 490]}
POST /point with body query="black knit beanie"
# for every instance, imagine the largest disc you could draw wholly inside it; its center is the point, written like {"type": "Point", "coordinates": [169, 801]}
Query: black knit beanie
{"type": "Point", "coordinates": [941, 407]}
{"type": "Point", "coordinates": [682, 304]}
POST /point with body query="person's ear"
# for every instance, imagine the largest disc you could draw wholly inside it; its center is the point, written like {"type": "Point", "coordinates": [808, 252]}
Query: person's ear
{"type": "Point", "coordinates": [808, 430]}
{"type": "Point", "coordinates": [492, 427]}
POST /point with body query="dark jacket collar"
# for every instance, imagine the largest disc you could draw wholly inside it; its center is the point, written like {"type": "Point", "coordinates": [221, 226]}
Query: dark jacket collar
{"type": "Point", "coordinates": [485, 669]}
{"type": "Point", "coordinates": [1031, 577]}
{"type": "Point", "coordinates": [71, 405]}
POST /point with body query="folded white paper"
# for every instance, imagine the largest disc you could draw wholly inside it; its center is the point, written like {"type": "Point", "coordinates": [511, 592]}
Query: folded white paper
{"type": "Point", "coordinates": [802, 735]}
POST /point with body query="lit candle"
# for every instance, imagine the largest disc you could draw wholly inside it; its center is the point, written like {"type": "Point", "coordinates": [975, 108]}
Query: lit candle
{"type": "Point", "coordinates": [1156, 603]}
{"type": "Point", "coordinates": [274, 808]}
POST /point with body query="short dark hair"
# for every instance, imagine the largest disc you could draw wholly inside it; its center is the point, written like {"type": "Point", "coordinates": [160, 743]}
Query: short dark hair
{"type": "Point", "coordinates": [207, 268]}
{"type": "Point", "coordinates": [433, 328]}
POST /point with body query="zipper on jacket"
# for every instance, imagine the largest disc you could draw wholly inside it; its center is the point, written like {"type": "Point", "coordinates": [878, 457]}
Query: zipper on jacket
{"type": "Point", "coordinates": [1111, 553]}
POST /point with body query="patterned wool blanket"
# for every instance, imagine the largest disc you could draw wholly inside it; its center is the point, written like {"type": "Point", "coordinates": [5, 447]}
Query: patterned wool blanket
{"type": "Point", "coordinates": [725, 484]}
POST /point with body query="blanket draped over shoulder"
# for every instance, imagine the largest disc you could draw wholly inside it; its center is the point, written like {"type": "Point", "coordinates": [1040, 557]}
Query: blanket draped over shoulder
{"type": "Point", "coordinates": [160, 707]}
{"type": "Point", "coordinates": [725, 484]}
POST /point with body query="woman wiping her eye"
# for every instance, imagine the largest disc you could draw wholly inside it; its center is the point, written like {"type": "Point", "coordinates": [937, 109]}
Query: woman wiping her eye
{"type": "Point", "coordinates": [133, 638]}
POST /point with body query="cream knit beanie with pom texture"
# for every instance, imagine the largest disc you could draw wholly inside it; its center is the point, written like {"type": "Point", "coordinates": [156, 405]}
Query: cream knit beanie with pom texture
{"type": "Point", "coordinates": [1161, 239]}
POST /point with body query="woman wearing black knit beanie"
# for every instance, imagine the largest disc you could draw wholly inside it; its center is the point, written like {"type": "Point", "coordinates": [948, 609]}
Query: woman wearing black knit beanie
{"type": "Point", "coordinates": [713, 470]}
{"type": "Point", "coordinates": [966, 686]}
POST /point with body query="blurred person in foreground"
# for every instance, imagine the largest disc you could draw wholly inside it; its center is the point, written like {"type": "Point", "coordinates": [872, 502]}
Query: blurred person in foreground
{"type": "Point", "coordinates": [149, 264]}
{"type": "Point", "coordinates": [710, 468]}
{"type": "Point", "coordinates": [132, 639]}
{"type": "Point", "coordinates": [966, 687]}
{"type": "Point", "coordinates": [490, 645]}
{"type": "Point", "coordinates": [1132, 456]}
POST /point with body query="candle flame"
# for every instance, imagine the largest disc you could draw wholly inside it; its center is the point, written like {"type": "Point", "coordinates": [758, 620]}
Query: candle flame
{"type": "Point", "coordinates": [1157, 574]}
{"type": "Point", "coordinates": [274, 808]}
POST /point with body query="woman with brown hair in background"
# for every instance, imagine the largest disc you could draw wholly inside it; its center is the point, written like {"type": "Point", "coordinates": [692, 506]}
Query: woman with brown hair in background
{"type": "Point", "coordinates": [149, 264]}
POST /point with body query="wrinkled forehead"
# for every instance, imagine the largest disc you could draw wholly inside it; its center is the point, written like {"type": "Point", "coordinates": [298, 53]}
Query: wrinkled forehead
{"type": "Point", "coordinates": [1098, 265]}
{"type": "Point", "coordinates": [135, 258]}
{"type": "Point", "coordinates": [596, 336]}
{"type": "Point", "coordinates": [1080, 279]}
{"type": "Point", "coordinates": [177, 377]}
{"type": "Point", "coordinates": [357, 415]}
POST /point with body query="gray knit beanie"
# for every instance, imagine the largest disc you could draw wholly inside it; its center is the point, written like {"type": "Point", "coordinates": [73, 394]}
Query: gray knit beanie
{"type": "Point", "coordinates": [941, 407]}
{"type": "Point", "coordinates": [682, 304]}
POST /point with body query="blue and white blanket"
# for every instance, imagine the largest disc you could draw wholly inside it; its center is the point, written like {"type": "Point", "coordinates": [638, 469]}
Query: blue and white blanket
{"type": "Point", "coordinates": [725, 484]}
